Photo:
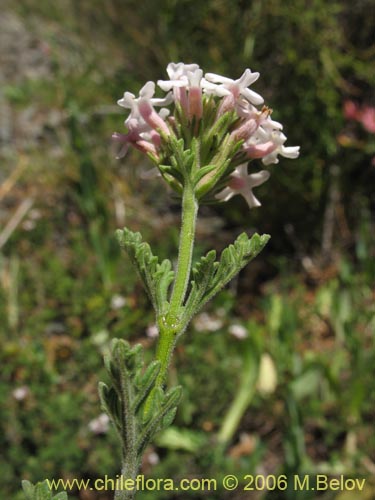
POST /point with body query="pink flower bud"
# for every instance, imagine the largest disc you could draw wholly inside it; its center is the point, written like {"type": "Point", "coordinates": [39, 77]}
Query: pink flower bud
{"type": "Point", "coordinates": [151, 117]}
{"type": "Point", "coordinates": [146, 147]}
{"type": "Point", "coordinates": [260, 150]}
{"type": "Point", "coordinates": [195, 103]}
{"type": "Point", "coordinates": [180, 96]}
{"type": "Point", "coordinates": [245, 131]}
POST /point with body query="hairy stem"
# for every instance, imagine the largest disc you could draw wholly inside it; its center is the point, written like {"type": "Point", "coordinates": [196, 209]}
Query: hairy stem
{"type": "Point", "coordinates": [130, 465]}
{"type": "Point", "coordinates": [185, 253]}
{"type": "Point", "coordinates": [171, 326]}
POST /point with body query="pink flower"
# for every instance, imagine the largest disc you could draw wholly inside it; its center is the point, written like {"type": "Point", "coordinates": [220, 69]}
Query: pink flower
{"type": "Point", "coordinates": [268, 144]}
{"type": "Point", "coordinates": [223, 86]}
{"type": "Point", "coordinates": [156, 133]}
{"type": "Point", "coordinates": [143, 106]}
{"type": "Point", "coordinates": [195, 94]}
{"type": "Point", "coordinates": [367, 118]}
{"type": "Point", "coordinates": [178, 82]}
{"type": "Point", "coordinates": [185, 81]}
{"type": "Point", "coordinates": [242, 183]}
{"type": "Point", "coordinates": [278, 138]}
{"type": "Point", "coordinates": [364, 115]}
{"type": "Point", "coordinates": [351, 110]}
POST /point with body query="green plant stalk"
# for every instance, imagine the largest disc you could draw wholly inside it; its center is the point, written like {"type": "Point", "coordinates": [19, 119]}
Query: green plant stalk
{"type": "Point", "coordinates": [242, 400]}
{"type": "Point", "coordinates": [129, 470]}
{"type": "Point", "coordinates": [171, 326]}
{"type": "Point", "coordinates": [185, 252]}
{"type": "Point", "coordinates": [130, 465]}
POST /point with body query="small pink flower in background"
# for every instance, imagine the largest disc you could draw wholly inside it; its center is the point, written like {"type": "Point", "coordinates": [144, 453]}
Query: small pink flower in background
{"type": "Point", "coordinates": [351, 110]}
{"type": "Point", "coordinates": [99, 425]}
{"type": "Point", "coordinates": [242, 183]}
{"type": "Point", "coordinates": [367, 118]}
{"type": "Point", "coordinates": [152, 331]}
{"type": "Point", "coordinates": [364, 115]}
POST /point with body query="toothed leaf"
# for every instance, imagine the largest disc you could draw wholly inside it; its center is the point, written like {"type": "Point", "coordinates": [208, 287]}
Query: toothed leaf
{"type": "Point", "coordinates": [156, 277]}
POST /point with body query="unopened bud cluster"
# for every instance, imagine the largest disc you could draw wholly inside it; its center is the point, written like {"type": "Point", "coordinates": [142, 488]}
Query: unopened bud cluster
{"type": "Point", "coordinates": [206, 132]}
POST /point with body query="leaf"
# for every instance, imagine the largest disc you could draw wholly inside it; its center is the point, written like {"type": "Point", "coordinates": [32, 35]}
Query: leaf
{"type": "Point", "coordinates": [28, 489]}
{"type": "Point", "coordinates": [110, 402]}
{"type": "Point", "coordinates": [61, 496]}
{"type": "Point", "coordinates": [156, 277]}
{"type": "Point", "coordinates": [170, 401]}
{"type": "Point", "coordinates": [175, 438]}
{"type": "Point", "coordinates": [146, 384]}
{"type": "Point", "coordinates": [168, 419]}
{"type": "Point", "coordinates": [42, 492]}
{"type": "Point", "coordinates": [202, 172]}
{"type": "Point", "coordinates": [209, 277]}
{"type": "Point", "coordinates": [202, 275]}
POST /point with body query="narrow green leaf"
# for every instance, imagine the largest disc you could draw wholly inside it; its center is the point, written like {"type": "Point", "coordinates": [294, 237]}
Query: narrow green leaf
{"type": "Point", "coordinates": [42, 492]}
{"type": "Point", "coordinates": [202, 172]}
{"type": "Point", "coordinates": [28, 489]}
{"type": "Point", "coordinates": [146, 384]}
{"type": "Point", "coordinates": [168, 418]}
{"type": "Point", "coordinates": [170, 401]}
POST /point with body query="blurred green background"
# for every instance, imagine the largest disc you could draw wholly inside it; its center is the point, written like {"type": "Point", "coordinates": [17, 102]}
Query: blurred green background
{"type": "Point", "coordinates": [306, 303]}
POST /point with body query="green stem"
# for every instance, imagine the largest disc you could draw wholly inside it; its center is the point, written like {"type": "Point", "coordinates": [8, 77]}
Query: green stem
{"type": "Point", "coordinates": [130, 465]}
{"type": "Point", "coordinates": [185, 251]}
{"type": "Point", "coordinates": [128, 471]}
{"type": "Point", "coordinates": [171, 326]}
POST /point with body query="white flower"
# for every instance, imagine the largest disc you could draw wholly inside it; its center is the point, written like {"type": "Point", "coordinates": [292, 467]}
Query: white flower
{"type": "Point", "coordinates": [21, 393]}
{"type": "Point", "coordinates": [143, 107]}
{"type": "Point", "coordinates": [205, 322]}
{"type": "Point", "coordinates": [129, 101]}
{"type": "Point", "coordinates": [179, 75]}
{"type": "Point", "coordinates": [118, 301]}
{"type": "Point", "coordinates": [242, 183]}
{"type": "Point", "coordinates": [140, 134]}
{"type": "Point", "coordinates": [278, 138]}
{"type": "Point", "coordinates": [99, 425]}
{"type": "Point", "coordinates": [185, 78]}
{"type": "Point", "coordinates": [153, 458]}
{"type": "Point", "coordinates": [238, 331]}
{"type": "Point", "coordinates": [152, 331]}
{"type": "Point", "coordinates": [222, 86]}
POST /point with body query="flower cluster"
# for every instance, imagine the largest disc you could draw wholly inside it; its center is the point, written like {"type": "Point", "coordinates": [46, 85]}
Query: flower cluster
{"type": "Point", "coordinates": [222, 121]}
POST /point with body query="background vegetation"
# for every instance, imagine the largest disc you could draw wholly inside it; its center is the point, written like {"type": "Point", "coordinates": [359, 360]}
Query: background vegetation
{"type": "Point", "coordinates": [307, 303]}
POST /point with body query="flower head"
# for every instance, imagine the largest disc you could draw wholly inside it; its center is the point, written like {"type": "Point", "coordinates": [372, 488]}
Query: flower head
{"type": "Point", "coordinates": [208, 128]}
